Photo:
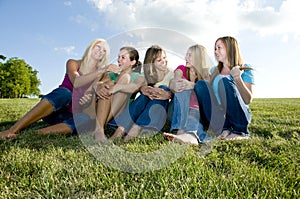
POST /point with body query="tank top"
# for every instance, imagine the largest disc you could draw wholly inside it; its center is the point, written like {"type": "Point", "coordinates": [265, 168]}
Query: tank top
{"type": "Point", "coordinates": [193, 99]}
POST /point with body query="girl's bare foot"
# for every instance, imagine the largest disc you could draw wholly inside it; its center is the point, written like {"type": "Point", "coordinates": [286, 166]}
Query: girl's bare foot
{"type": "Point", "coordinates": [134, 132]}
{"type": "Point", "coordinates": [119, 133]}
{"type": "Point", "coordinates": [234, 136]}
{"type": "Point", "coordinates": [224, 134]}
{"type": "Point", "coordinates": [7, 135]}
{"type": "Point", "coordinates": [100, 136]}
{"type": "Point", "coordinates": [180, 132]}
{"type": "Point", "coordinates": [187, 138]}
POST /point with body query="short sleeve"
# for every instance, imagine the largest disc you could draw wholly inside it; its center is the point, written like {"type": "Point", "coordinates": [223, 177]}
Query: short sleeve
{"type": "Point", "coordinates": [247, 75]}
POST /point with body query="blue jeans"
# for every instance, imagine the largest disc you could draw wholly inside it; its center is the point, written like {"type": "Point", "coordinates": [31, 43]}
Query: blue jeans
{"type": "Point", "coordinates": [186, 118]}
{"type": "Point", "coordinates": [238, 114]}
{"type": "Point", "coordinates": [181, 104]}
{"type": "Point", "coordinates": [61, 100]}
{"type": "Point", "coordinates": [143, 112]}
{"type": "Point", "coordinates": [233, 114]}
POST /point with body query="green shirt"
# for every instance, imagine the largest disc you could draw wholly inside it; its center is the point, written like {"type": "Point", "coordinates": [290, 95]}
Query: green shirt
{"type": "Point", "coordinates": [114, 76]}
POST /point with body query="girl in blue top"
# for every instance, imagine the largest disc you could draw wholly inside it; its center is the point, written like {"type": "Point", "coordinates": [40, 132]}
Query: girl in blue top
{"type": "Point", "coordinates": [223, 103]}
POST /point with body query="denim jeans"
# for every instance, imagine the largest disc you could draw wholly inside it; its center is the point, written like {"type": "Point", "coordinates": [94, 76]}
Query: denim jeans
{"type": "Point", "coordinates": [232, 114]}
{"type": "Point", "coordinates": [143, 112]}
{"type": "Point", "coordinates": [238, 114]}
{"type": "Point", "coordinates": [181, 103]}
{"type": "Point", "coordinates": [186, 118]}
{"type": "Point", "coordinates": [61, 99]}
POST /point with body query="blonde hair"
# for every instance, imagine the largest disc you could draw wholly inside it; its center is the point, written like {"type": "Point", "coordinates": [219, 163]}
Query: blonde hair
{"type": "Point", "coordinates": [84, 67]}
{"type": "Point", "coordinates": [199, 61]}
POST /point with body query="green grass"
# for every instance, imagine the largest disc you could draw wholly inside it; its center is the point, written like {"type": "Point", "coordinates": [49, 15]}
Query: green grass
{"type": "Point", "coordinates": [58, 166]}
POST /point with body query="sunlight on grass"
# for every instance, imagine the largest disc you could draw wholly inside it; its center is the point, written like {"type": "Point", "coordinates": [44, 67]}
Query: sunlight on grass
{"type": "Point", "coordinates": [59, 166]}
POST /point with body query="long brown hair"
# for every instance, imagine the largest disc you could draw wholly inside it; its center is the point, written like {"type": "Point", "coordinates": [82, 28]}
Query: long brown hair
{"type": "Point", "coordinates": [133, 55]}
{"type": "Point", "coordinates": [150, 71]}
{"type": "Point", "coordinates": [234, 57]}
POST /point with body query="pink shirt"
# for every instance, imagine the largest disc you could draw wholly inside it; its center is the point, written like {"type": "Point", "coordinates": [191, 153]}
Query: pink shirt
{"type": "Point", "coordinates": [76, 93]}
{"type": "Point", "coordinates": [193, 99]}
{"type": "Point", "coordinates": [66, 83]}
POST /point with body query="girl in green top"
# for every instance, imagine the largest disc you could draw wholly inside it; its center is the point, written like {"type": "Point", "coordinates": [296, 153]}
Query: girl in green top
{"type": "Point", "coordinates": [111, 92]}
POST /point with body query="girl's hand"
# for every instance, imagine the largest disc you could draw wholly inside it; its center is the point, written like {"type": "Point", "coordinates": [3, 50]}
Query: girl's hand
{"type": "Point", "coordinates": [113, 68]}
{"type": "Point", "coordinates": [236, 72]}
{"type": "Point", "coordinates": [182, 84]}
{"type": "Point", "coordinates": [146, 90]}
{"type": "Point", "coordinates": [159, 94]}
{"type": "Point", "coordinates": [86, 98]}
{"type": "Point", "coordinates": [102, 90]}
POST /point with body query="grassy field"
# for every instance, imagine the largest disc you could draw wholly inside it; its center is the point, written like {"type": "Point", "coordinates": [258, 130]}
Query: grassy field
{"type": "Point", "coordinates": [58, 166]}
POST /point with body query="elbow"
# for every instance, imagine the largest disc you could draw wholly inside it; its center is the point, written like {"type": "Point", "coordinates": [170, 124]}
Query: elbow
{"type": "Point", "coordinates": [248, 100]}
{"type": "Point", "coordinates": [75, 83]}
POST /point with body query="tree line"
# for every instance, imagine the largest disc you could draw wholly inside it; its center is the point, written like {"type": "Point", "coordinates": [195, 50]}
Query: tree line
{"type": "Point", "coordinates": [17, 78]}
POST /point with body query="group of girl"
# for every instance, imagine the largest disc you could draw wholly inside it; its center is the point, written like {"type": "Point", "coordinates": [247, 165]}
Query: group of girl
{"type": "Point", "coordinates": [205, 100]}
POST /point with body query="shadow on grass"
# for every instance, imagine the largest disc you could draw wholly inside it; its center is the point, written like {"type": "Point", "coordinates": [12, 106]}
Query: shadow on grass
{"type": "Point", "coordinates": [29, 138]}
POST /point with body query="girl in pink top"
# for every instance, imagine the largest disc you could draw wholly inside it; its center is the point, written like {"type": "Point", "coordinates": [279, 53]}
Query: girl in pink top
{"type": "Point", "coordinates": [186, 116]}
{"type": "Point", "coordinates": [55, 107]}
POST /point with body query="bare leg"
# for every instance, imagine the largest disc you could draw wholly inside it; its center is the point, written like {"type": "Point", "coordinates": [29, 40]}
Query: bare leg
{"type": "Point", "coordinates": [119, 101]}
{"type": "Point", "coordinates": [102, 112]}
{"type": "Point", "coordinates": [118, 104]}
{"type": "Point", "coordinates": [133, 132]}
{"type": "Point", "coordinates": [119, 133]}
{"type": "Point", "coordinates": [61, 128]}
{"type": "Point", "coordinates": [39, 111]}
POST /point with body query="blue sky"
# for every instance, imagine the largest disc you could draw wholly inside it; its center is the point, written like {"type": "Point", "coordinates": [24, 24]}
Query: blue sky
{"type": "Point", "coordinates": [46, 33]}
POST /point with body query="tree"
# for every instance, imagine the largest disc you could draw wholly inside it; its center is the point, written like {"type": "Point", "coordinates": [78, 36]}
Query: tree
{"type": "Point", "coordinates": [18, 79]}
{"type": "Point", "coordinates": [2, 57]}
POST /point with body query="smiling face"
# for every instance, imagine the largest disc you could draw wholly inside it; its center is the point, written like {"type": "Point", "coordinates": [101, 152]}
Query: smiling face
{"type": "Point", "coordinates": [161, 61]}
{"type": "Point", "coordinates": [188, 58]}
{"type": "Point", "coordinates": [220, 52]}
{"type": "Point", "coordinates": [98, 51]}
{"type": "Point", "coordinates": [124, 61]}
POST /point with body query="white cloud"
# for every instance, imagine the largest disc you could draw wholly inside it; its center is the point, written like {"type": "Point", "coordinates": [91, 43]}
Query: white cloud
{"type": "Point", "coordinates": [80, 19]}
{"type": "Point", "coordinates": [268, 21]}
{"type": "Point", "coordinates": [67, 49]}
{"type": "Point", "coordinates": [67, 3]}
{"type": "Point", "coordinates": [205, 19]}
{"type": "Point", "coordinates": [101, 4]}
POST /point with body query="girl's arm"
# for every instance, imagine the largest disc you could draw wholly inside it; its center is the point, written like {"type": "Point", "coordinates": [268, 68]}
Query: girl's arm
{"type": "Point", "coordinates": [81, 80]}
{"type": "Point", "coordinates": [244, 88]}
{"type": "Point", "coordinates": [173, 85]}
{"type": "Point", "coordinates": [102, 87]}
{"type": "Point", "coordinates": [124, 85]}
{"type": "Point", "coordinates": [178, 84]}
{"type": "Point", "coordinates": [72, 67]}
